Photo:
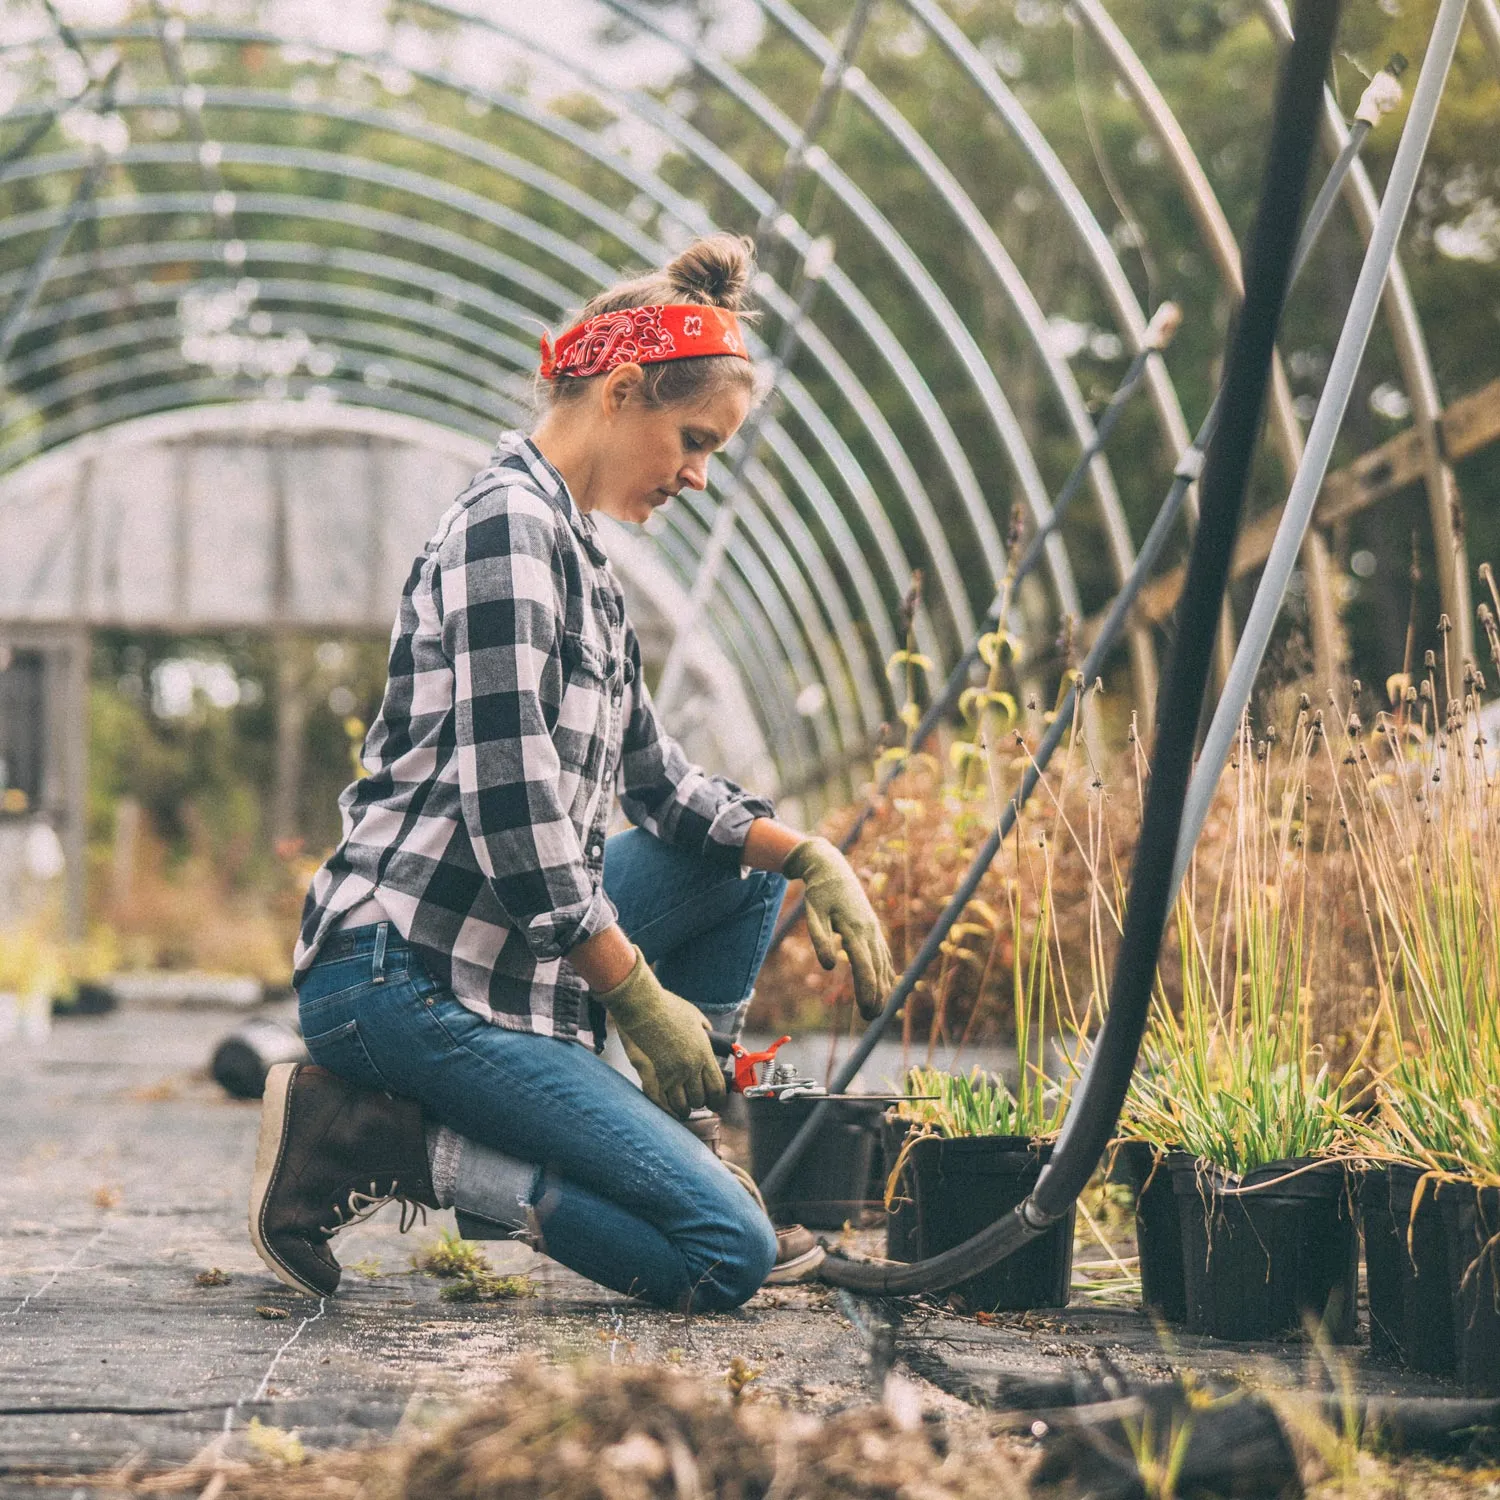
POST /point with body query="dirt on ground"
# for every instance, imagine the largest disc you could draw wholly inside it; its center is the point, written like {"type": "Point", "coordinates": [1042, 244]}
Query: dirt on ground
{"type": "Point", "coordinates": [144, 1349]}
{"type": "Point", "coordinates": [601, 1432]}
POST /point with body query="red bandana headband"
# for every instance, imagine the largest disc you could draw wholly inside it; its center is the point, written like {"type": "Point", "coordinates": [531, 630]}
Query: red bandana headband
{"type": "Point", "coordinates": [642, 336]}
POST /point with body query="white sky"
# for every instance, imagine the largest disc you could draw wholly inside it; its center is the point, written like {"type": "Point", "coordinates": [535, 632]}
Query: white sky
{"type": "Point", "coordinates": [570, 26]}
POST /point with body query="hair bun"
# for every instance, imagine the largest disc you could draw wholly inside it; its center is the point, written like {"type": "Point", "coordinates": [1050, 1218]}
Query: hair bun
{"type": "Point", "coordinates": [715, 270]}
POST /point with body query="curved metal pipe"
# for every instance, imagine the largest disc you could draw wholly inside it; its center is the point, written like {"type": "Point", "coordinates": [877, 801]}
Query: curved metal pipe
{"type": "Point", "coordinates": [688, 213]}
{"type": "Point", "coordinates": [1108, 270]}
{"type": "Point", "coordinates": [1329, 647]}
{"type": "Point", "coordinates": [949, 325]}
{"type": "Point", "coordinates": [1354, 336]}
{"type": "Point", "coordinates": [800, 599]}
{"type": "Point", "coordinates": [762, 564]}
{"type": "Point", "coordinates": [783, 571]}
{"type": "Point", "coordinates": [1023, 303]}
{"type": "Point", "coordinates": [1110, 273]}
{"type": "Point", "coordinates": [499, 307]}
{"type": "Point", "coordinates": [1443, 506]}
{"type": "Point", "coordinates": [380, 221]}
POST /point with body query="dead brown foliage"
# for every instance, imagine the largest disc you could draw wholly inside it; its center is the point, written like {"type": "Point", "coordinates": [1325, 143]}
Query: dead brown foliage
{"type": "Point", "coordinates": [1075, 839]}
{"type": "Point", "coordinates": [599, 1432]}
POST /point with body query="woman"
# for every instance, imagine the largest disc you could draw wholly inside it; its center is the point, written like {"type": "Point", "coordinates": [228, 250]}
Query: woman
{"type": "Point", "coordinates": [475, 924]}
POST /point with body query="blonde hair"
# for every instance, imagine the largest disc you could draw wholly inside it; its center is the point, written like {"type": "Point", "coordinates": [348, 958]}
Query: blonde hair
{"type": "Point", "coordinates": [715, 271]}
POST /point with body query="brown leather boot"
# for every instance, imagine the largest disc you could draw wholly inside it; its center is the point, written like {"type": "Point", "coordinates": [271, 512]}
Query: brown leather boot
{"type": "Point", "coordinates": [329, 1155]}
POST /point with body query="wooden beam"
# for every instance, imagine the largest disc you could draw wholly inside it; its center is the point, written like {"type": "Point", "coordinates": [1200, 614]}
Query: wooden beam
{"type": "Point", "coordinates": [1469, 424]}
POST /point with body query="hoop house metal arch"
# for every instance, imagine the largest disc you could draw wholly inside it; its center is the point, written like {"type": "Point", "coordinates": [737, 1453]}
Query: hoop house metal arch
{"type": "Point", "coordinates": [833, 508]}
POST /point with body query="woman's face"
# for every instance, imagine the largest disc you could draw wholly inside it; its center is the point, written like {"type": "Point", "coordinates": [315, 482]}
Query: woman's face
{"type": "Point", "coordinates": [649, 453]}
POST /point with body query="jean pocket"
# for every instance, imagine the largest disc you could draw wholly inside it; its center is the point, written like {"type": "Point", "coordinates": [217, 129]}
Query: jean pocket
{"type": "Point", "coordinates": [343, 1051]}
{"type": "Point", "coordinates": [327, 981]}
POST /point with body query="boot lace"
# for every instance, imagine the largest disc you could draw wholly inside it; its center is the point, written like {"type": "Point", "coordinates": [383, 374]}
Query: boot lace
{"type": "Point", "coordinates": [359, 1206]}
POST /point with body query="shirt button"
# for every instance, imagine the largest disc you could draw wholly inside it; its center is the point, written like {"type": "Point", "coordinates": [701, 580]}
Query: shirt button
{"type": "Point", "coordinates": [597, 851]}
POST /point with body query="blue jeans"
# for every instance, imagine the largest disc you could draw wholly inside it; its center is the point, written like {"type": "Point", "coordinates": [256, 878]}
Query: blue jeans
{"type": "Point", "coordinates": [624, 1195]}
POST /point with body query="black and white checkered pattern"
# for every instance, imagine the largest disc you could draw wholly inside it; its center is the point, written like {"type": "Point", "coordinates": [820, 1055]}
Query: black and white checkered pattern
{"type": "Point", "coordinates": [515, 705]}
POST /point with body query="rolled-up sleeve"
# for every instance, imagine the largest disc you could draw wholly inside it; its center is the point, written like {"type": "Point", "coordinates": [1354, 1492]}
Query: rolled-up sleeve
{"type": "Point", "coordinates": [662, 791]}
{"type": "Point", "coordinates": [503, 594]}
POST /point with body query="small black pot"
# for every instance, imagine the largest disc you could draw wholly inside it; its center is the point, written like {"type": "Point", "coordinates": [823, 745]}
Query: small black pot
{"type": "Point", "coordinates": [1407, 1274]}
{"type": "Point", "coordinates": [244, 1057]}
{"type": "Point", "coordinates": [1258, 1264]}
{"type": "Point", "coordinates": [963, 1186]}
{"type": "Point", "coordinates": [1471, 1217]}
{"type": "Point", "coordinates": [1158, 1228]}
{"type": "Point", "coordinates": [831, 1185]}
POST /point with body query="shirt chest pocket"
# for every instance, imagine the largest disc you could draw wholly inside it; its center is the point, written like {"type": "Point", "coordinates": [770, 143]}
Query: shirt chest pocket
{"type": "Point", "coordinates": [583, 725]}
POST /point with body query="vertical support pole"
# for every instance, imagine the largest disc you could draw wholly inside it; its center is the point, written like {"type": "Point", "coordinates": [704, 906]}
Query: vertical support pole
{"type": "Point", "coordinates": [291, 696]}
{"type": "Point", "coordinates": [182, 530]}
{"type": "Point", "coordinates": [77, 650]}
{"type": "Point", "coordinates": [377, 455]}
{"type": "Point", "coordinates": [76, 781]}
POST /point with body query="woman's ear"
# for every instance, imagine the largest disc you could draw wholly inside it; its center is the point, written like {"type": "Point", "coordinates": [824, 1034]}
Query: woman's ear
{"type": "Point", "coordinates": [624, 384]}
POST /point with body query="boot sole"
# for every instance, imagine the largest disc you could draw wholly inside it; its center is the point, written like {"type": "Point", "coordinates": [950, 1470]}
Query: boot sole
{"type": "Point", "coordinates": [800, 1268]}
{"type": "Point", "coordinates": [269, 1146]}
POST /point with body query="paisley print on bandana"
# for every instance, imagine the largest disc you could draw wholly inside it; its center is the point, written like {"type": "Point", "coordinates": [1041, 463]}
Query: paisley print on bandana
{"type": "Point", "coordinates": [616, 338]}
{"type": "Point", "coordinates": [643, 336]}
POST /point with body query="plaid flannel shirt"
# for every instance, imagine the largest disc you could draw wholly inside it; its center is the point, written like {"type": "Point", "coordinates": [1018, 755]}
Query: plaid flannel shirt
{"type": "Point", "coordinates": [515, 707]}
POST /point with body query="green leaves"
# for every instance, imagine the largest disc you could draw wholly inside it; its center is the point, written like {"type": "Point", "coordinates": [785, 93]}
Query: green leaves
{"type": "Point", "coordinates": [964, 1106]}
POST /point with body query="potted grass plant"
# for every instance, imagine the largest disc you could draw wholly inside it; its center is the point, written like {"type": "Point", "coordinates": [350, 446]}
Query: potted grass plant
{"type": "Point", "coordinates": [971, 1148]}
{"type": "Point", "coordinates": [969, 1156]}
{"type": "Point", "coordinates": [1423, 799]}
{"type": "Point", "coordinates": [1234, 1096]}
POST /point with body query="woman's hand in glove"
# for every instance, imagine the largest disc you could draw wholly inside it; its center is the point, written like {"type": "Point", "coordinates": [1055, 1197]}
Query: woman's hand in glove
{"type": "Point", "coordinates": [666, 1040]}
{"type": "Point", "coordinates": [837, 905]}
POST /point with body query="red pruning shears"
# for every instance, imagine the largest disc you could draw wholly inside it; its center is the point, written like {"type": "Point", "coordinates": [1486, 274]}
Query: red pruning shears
{"type": "Point", "coordinates": [739, 1065]}
{"type": "Point", "coordinates": [781, 1080]}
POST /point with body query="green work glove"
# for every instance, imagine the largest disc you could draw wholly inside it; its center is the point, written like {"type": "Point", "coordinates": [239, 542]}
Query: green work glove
{"type": "Point", "coordinates": [666, 1040]}
{"type": "Point", "coordinates": [837, 906]}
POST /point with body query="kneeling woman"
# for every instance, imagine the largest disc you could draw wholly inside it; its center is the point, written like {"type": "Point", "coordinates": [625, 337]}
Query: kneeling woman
{"type": "Point", "coordinates": [475, 925]}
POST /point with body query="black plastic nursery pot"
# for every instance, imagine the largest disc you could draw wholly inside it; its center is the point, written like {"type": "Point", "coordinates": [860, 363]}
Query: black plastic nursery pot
{"type": "Point", "coordinates": [1158, 1228]}
{"type": "Point", "coordinates": [1471, 1217]}
{"type": "Point", "coordinates": [962, 1186]}
{"type": "Point", "coordinates": [1407, 1276]}
{"type": "Point", "coordinates": [901, 1213]}
{"type": "Point", "coordinates": [833, 1183]}
{"type": "Point", "coordinates": [1383, 1255]}
{"type": "Point", "coordinates": [1264, 1254]}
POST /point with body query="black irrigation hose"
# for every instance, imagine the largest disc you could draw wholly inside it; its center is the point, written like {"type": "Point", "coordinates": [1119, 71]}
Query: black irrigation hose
{"type": "Point", "coordinates": [1095, 1110]}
